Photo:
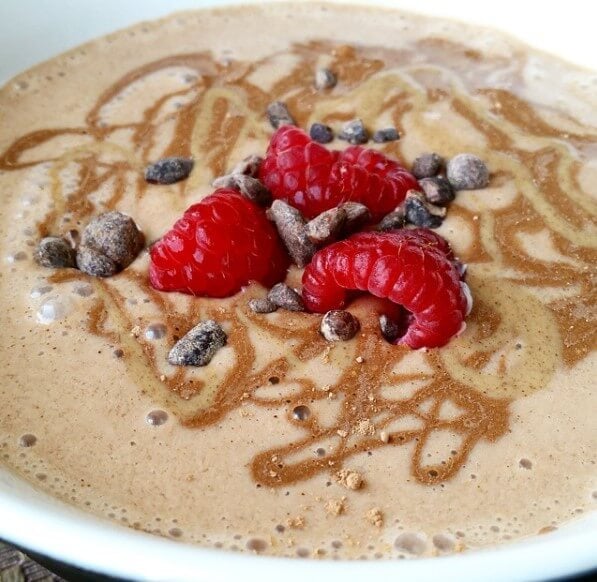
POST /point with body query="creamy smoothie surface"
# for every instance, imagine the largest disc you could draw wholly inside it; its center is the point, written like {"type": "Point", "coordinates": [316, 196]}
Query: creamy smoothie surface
{"type": "Point", "coordinates": [287, 444]}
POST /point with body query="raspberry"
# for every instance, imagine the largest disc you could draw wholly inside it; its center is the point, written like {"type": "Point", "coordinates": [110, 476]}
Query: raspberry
{"type": "Point", "coordinates": [413, 268]}
{"type": "Point", "coordinates": [313, 178]}
{"type": "Point", "coordinates": [219, 245]}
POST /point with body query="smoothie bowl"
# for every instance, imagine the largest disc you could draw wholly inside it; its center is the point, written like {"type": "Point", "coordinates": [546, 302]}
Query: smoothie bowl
{"type": "Point", "coordinates": [299, 281]}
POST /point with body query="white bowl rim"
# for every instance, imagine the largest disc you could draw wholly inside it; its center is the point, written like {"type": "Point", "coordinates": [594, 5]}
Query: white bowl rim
{"type": "Point", "coordinates": [47, 526]}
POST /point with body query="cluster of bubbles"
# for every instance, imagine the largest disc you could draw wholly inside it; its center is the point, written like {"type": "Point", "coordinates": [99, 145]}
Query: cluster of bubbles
{"type": "Point", "coordinates": [406, 544]}
{"type": "Point", "coordinates": [57, 306]}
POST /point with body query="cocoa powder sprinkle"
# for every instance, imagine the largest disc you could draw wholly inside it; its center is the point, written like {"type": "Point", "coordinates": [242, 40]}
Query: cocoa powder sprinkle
{"type": "Point", "coordinates": [352, 480]}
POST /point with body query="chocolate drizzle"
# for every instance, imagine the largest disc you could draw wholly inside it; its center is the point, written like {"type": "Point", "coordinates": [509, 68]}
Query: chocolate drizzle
{"type": "Point", "coordinates": [220, 108]}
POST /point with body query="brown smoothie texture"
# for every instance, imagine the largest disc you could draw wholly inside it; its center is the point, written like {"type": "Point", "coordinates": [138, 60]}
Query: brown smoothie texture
{"type": "Point", "coordinates": [285, 443]}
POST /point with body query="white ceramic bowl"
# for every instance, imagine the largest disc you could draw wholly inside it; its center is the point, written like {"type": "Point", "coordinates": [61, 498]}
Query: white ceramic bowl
{"type": "Point", "coordinates": [33, 30]}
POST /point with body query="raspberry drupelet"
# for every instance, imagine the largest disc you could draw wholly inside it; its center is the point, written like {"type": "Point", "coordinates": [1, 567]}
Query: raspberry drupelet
{"type": "Point", "coordinates": [413, 268]}
{"type": "Point", "coordinates": [314, 179]}
{"type": "Point", "coordinates": [219, 245]}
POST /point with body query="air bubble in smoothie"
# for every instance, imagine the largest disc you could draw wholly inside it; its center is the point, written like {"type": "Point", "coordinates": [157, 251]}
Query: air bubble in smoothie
{"type": "Point", "coordinates": [444, 542]}
{"type": "Point", "coordinates": [156, 417]}
{"type": "Point", "coordinates": [53, 309]}
{"type": "Point", "coordinates": [525, 464]}
{"type": "Point", "coordinates": [27, 440]}
{"type": "Point", "coordinates": [16, 257]}
{"type": "Point", "coordinates": [301, 412]}
{"type": "Point", "coordinates": [413, 543]}
{"type": "Point", "coordinates": [39, 290]}
{"type": "Point", "coordinates": [256, 545]}
{"type": "Point", "coordinates": [29, 200]}
{"type": "Point", "coordinates": [155, 331]}
{"type": "Point", "coordinates": [83, 290]}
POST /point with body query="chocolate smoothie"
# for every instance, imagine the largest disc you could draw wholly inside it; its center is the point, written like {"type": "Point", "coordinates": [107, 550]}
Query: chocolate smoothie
{"type": "Point", "coordinates": [286, 443]}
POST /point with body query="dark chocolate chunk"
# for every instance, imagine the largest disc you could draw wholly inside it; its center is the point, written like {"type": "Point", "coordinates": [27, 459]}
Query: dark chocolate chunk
{"type": "Point", "coordinates": [95, 263]}
{"type": "Point", "coordinates": [437, 190]}
{"type": "Point", "coordinates": [278, 114]}
{"type": "Point", "coordinates": [326, 227]}
{"type": "Point", "coordinates": [168, 170]}
{"type": "Point", "coordinates": [390, 329]}
{"type": "Point", "coordinates": [226, 181]}
{"type": "Point", "coordinates": [420, 213]}
{"type": "Point", "coordinates": [116, 235]}
{"type": "Point", "coordinates": [249, 166]}
{"type": "Point", "coordinates": [467, 172]}
{"type": "Point", "coordinates": [55, 252]}
{"type": "Point", "coordinates": [199, 345]}
{"type": "Point", "coordinates": [427, 165]}
{"type": "Point", "coordinates": [110, 243]}
{"type": "Point", "coordinates": [251, 188]}
{"type": "Point", "coordinates": [339, 325]}
{"type": "Point", "coordinates": [393, 220]}
{"type": "Point", "coordinates": [291, 227]}
{"type": "Point", "coordinates": [262, 305]}
{"type": "Point", "coordinates": [357, 216]}
{"type": "Point", "coordinates": [325, 79]}
{"type": "Point", "coordinates": [321, 133]}
{"type": "Point", "coordinates": [385, 135]}
{"type": "Point", "coordinates": [283, 296]}
{"type": "Point", "coordinates": [354, 132]}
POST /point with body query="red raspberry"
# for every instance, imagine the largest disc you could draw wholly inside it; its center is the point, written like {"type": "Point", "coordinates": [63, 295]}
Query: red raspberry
{"type": "Point", "coordinates": [413, 268]}
{"type": "Point", "coordinates": [313, 178]}
{"type": "Point", "coordinates": [219, 245]}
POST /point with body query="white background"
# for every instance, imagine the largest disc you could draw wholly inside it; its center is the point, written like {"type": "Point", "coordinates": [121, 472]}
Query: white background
{"type": "Point", "coordinates": [34, 30]}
